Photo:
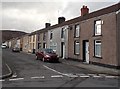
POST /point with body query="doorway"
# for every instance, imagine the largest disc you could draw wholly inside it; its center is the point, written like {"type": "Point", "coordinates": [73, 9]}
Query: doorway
{"type": "Point", "coordinates": [62, 50]}
{"type": "Point", "coordinates": [86, 51]}
{"type": "Point", "coordinates": [44, 45]}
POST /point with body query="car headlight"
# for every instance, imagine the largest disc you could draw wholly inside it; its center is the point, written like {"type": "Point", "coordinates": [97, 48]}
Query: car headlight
{"type": "Point", "coordinates": [47, 56]}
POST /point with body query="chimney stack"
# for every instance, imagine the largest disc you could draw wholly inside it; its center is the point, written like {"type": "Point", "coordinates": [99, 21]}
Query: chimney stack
{"type": "Point", "coordinates": [84, 10]}
{"type": "Point", "coordinates": [47, 25]}
{"type": "Point", "coordinates": [61, 20]}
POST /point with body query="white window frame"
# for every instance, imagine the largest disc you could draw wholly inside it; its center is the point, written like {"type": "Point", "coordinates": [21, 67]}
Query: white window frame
{"type": "Point", "coordinates": [33, 38]}
{"type": "Point", "coordinates": [44, 36]}
{"type": "Point", "coordinates": [76, 43]}
{"type": "Point", "coordinates": [98, 44]}
{"type": "Point", "coordinates": [51, 36]}
{"type": "Point", "coordinates": [98, 27]}
{"type": "Point", "coordinates": [53, 46]}
{"type": "Point", "coordinates": [62, 33]}
{"type": "Point", "coordinates": [77, 30]}
{"type": "Point", "coordinates": [39, 45]}
{"type": "Point", "coordinates": [38, 37]}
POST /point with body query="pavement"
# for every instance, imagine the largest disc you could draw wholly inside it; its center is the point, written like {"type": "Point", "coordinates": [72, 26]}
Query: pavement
{"type": "Point", "coordinates": [95, 68]}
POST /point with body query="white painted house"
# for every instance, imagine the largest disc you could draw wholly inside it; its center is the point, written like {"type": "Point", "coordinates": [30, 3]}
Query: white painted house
{"type": "Point", "coordinates": [9, 44]}
{"type": "Point", "coordinates": [17, 43]}
{"type": "Point", "coordinates": [58, 40]}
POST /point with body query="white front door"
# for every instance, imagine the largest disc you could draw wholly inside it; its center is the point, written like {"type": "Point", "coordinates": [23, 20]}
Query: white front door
{"type": "Point", "coordinates": [63, 51]}
{"type": "Point", "coordinates": [87, 52]}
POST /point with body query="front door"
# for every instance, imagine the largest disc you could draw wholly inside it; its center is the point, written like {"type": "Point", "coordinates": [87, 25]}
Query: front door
{"type": "Point", "coordinates": [62, 50]}
{"type": "Point", "coordinates": [44, 45]}
{"type": "Point", "coordinates": [86, 51]}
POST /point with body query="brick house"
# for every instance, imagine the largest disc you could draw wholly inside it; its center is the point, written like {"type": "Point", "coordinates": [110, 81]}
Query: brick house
{"type": "Point", "coordinates": [95, 37]}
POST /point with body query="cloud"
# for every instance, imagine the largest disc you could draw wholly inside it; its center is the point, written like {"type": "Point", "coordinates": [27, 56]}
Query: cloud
{"type": "Point", "coordinates": [73, 8]}
{"type": "Point", "coordinates": [59, 0]}
{"type": "Point", "coordinates": [31, 16]}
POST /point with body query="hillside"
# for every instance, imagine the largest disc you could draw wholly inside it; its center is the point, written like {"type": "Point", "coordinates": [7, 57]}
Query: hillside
{"type": "Point", "coordinates": [8, 34]}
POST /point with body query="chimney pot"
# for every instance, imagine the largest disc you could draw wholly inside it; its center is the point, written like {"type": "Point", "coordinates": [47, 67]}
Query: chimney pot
{"type": "Point", "coordinates": [61, 20]}
{"type": "Point", "coordinates": [47, 25]}
{"type": "Point", "coordinates": [84, 10]}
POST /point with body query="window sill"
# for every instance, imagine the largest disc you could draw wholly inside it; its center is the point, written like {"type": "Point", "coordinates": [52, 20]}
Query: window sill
{"type": "Point", "coordinates": [77, 54]}
{"type": "Point", "coordinates": [97, 57]}
{"type": "Point", "coordinates": [97, 35]}
{"type": "Point", "coordinates": [77, 37]}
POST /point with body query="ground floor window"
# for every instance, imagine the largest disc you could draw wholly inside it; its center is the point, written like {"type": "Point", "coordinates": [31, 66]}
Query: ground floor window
{"type": "Point", "coordinates": [33, 46]}
{"type": "Point", "coordinates": [30, 45]}
{"type": "Point", "coordinates": [97, 50]}
{"type": "Point", "coordinates": [53, 46]}
{"type": "Point", "coordinates": [76, 47]}
{"type": "Point", "coordinates": [44, 45]}
{"type": "Point", "coordinates": [39, 45]}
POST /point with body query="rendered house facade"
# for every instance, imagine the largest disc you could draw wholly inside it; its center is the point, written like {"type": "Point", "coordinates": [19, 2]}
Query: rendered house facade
{"type": "Point", "coordinates": [58, 39]}
{"type": "Point", "coordinates": [25, 45]}
{"type": "Point", "coordinates": [13, 42]}
{"type": "Point", "coordinates": [41, 39]}
{"type": "Point", "coordinates": [9, 43]}
{"type": "Point", "coordinates": [54, 37]}
{"type": "Point", "coordinates": [32, 42]}
{"type": "Point", "coordinates": [21, 43]}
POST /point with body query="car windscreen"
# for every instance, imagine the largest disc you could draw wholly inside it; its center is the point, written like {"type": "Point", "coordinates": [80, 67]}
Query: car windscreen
{"type": "Point", "coordinates": [49, 51]}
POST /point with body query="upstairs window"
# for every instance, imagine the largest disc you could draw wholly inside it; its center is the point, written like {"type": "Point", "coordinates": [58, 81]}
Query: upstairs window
{"type": "Point", "coordinates": [62, 33]}
{"type": "Point", "coordinates": [30, 38]}
{"type": "Point", "coordinates": [51, 35]}
{"type": "Point", "coordinates": [98, 25]}
{"type": "Point", "coordinates": [33, 38]}
{"type": "Point", "coordinates": [77, 30]}
{"type": "Point", "coordinates": [44, 36]}
{"type": "Point", "coordinates": [38, 37]}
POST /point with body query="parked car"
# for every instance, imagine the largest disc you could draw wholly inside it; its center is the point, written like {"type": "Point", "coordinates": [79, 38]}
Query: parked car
{"type": "Point", "coordinates": [47, 55]}
{"type": "Point", "coordinates": [3, 46]}
{"type": "Point", "coordinates": [16, 49]}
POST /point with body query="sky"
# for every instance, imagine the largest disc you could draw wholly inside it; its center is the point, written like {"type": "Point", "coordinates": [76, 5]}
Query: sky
{"type": "Point", "coordinates": [31, 15]}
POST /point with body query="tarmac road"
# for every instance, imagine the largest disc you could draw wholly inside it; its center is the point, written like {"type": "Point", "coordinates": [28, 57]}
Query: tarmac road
{"type": "Point", "coordinates": [28, 72]}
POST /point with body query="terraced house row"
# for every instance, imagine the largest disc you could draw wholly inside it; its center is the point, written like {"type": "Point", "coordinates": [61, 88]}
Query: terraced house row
{"type": "Point", "coordinates": [90, 38]}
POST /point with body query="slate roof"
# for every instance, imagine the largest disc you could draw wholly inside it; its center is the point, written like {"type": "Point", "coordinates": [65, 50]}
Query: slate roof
{"type": "Point", "coordinates": [100, 12]}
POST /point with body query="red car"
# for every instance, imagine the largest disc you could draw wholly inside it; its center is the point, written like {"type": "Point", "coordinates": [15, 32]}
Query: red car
{"type": "Point", "coordinates": [47, 55]}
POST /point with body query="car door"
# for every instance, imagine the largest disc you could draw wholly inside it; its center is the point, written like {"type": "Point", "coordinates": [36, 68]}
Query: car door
{"type": "Point", "coordinates": [41, 54]}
